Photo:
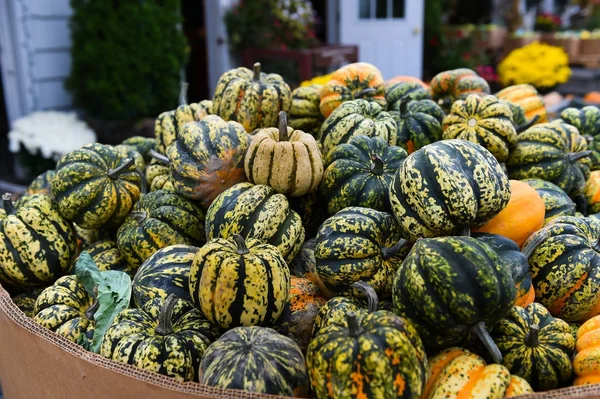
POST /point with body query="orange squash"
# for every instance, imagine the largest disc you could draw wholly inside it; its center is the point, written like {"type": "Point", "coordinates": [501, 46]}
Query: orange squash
{"type": "Point", "coordinates": [592, 97]}
{"type": "Point", "coordinates": [358, 80]}
{"type": "Point", "coordinates": [457, 373]}
{"type": "Point", "coordinates": [528, 98]}
{"type": "Point", "coordinates": [592, 192]}
{"type": "Point", "coordinates": [402, 78]}
{"type": "Point", "coordinates": [523, 216]}
{"type": "Point", "coordinates": [586, 364]}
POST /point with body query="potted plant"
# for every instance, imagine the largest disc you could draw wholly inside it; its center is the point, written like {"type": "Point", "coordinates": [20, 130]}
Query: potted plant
{"type": "Point", "coordinates": [127, 58]}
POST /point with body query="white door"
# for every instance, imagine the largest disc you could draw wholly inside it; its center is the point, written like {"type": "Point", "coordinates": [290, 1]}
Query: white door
{"type": "Point", "coordinates": [389, 33]}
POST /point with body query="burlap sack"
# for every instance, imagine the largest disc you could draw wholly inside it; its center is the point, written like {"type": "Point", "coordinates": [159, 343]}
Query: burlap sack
{"type": "Point", "coordinates": [35, 363]}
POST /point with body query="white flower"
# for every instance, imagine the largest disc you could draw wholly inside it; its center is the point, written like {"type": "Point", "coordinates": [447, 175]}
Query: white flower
{"type": "Point", "coordinates": [51, 133]}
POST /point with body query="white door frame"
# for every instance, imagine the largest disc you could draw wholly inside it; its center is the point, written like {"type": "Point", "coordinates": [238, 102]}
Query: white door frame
{"type": "Point", "coordinates": [219, 57]}
{"type": "Point", "coordinates": [13, 80]}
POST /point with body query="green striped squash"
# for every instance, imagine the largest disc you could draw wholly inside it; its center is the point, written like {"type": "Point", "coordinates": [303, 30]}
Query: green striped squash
{"type": "Point", "coordinates": [587, 121]}
{"type": "Point", "coordinates": [168, 125]}
{"type": "Point", "coordinates": [518, 113]}
{"type": "Point", "coordinates": [36, 243]}
{"type": "Point", "coordinates": [41, 184]}
{"type": "Point", "coordinates": [166, 272]}
{"type": "Point", "coordinates": [207, 158]}
{"type": "Point", "coordinates": [360, 173]}
{"type": "Point", "coordinates": [536, 346]}
{"type": "Point", "coordinates": [553, 152]}
{"type": "Point", "coordinates": [158, 220]}
{"type": "Point", "coordinates": [353, 118]}
{"type": "Point", "coordinates": [457, 84]}
{"type": "Point", "coordinates": [106, 256]}
{"type": "Point", "coordinates": [26, 301]}
{"type": "Point", "coordinates": [255, 359]}
{"type": "Point", "coordinates": [285, 159]}
{"type": "Point", "coordinates": [129, 151]}
{"type": "Point", "coordinates": [376, 355]}
{"type": "Point", "coordinates": [484, 121]}
{"type": "Point", "coordinates": [447, 186]}
{"type": "Point", "coordinates": [67, 309]}
{"type": "Point", "coordinates": [252, 98]}
{"type": "Point", "coordinates": [556, 201]}
{"type": "Point", "coordinates": [143, 145]}
{"type": "Point", "coordinates": [397, 91]}
{"type": "Point", "coordinates": [305, 113]}
{"type": "Point", "coordinates": [158, 177]}
{"type": "Point", "coordinates": [358, 244]}
{"type": "Point", "coordinates": [95, 186]}
{"type": "Point", "coordinates": [256, 211]}
{"type": "Point", "coordinates": [565, 267]}
{"type": "Point", "coordinates": [450, 286]}
{"type": "Point", "coordinates": [166, 336]}
{"type": "Point", "coordinates": [237, 282]}
{"type": "Point", "coordinates": [419, 122]}
{"type": "Point", "coordinates": [86, 237]}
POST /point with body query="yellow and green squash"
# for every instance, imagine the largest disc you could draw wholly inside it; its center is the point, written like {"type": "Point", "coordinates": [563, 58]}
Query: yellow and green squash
{"type": "Point", "coordinates": [419, 122]}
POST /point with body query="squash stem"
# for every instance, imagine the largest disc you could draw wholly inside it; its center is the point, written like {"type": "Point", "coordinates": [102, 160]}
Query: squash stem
{"type": "Point", "coordinates": [7, 204]}
{"type": "Point", "coordinates": [242, 249]}
{"type": "Point", "coordinates": [144, 184]}
{"type": "Point", "coordinates": [481, 332]}
{"type": "Point", "coordinates": [364, 92]}
{"type": "Point", "coordinates": [576, 156]}
{"type": "Point", "coordinates": [354, 328]}
{"type": "Point", "coordinates": [387, 253]}
{"type": "Point", "coordinates": [533, 339]}
{"type": "Point", "coordinates": [534, 241]}
{"type": "Point", "coordinates": [114, 173]}
{"type": "Point", "coordinates": [89, 313]}
{"type": "Point", "coordinates": [256, 71]}
{"type": "Point", "coordinates": [376, 165]}
{"type": "Point", "coordinates": [404, 106]}
{"type": "Point", "coordinates": [139, 216]}
{"type": "Point", "coordinates": [183, 89]}
{"type": "Point", "coordinates": [283, 127]}
{"type": "Point", "coordinates": [589, 139]}
{"type": "Point", "coordinates": [466, 231]}
{"type": "Point", "coordinates": [165, 325]}
{"type": "Point", "coordinates": [159, 157]}
{"type": "Point", "coordinates": [527, 125]}
{"type": "Point", "coordinates": [368, 292]}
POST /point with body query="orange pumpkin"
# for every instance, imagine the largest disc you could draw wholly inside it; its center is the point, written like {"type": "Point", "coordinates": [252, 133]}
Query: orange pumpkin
{"type": "Point", "coordinates": [592, 97]}
{"type": "Point", "coordinates": [402, 78]}
{"type": "Point", "coordinates": [458, 373]}
{"type": "Point", "coordinates": [586, 364]}
{"type": "Point", "coordinates": [528, 98]}
{"type": "Point", "coordinates": [358, 80]}
{"type": "Point", "coordinates": [592, 192]}
{"type": "Point", "coordinates": [523, 216]}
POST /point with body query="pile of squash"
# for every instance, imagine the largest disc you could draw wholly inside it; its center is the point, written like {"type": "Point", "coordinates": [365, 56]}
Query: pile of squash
{"type": "Point", "coordinates": [358, 239]}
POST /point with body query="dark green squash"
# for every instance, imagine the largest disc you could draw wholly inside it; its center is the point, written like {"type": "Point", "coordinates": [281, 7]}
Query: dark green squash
{"type": "Point", "coordinates": [166, 336]}
{"type": "Point", "coordinates": [26, 301]}
{"type": "Point", "coordinates": [587, 121]}
{"type": "Point", "coordinates": [360, 173]}
{"type": "Point", "coordinates": [353, 118]}
{"type": "Point", "coordinates": [305, 114]}
{"type": "Point", "coordinates": [106, 256]}
{"type": "Point", "coordinates": [565, 267]}
{"type": "Point", "coordinates": [511, 257]}
{"type": "Point", "coordinates": [359, 244]}
{"type": "Point", "coordinates": [143, 145]}
{"type": "Point", "coordinates": [556, 201]}
{"type": "Point", "coordinates": [397, 91]}
{"type": "Point", "coordinates": [158, 177]}
{"type": "Point", "coordinates": [36, 243]}
{"type": "Point", "coordinates": [418, 122]}
{"type": "Point", "coordinates": [446, 187]}
{"type": "Point", "coordinates": [484, 121]}
{"type": "Point", "coordinates": [95, 186]}
{"type": "Point", "coordinates": [158, 220]}
{"type": "Point", "coordinates": [536, 346]}
{"type": "Point", "coordinates": [237, 282]}
{"type": "Point", "coordinates": [255, 359]}
{"type": "Point", "coordinates": [166, 272]}
{"type": "Point", "coordinates": [207, 158]}
{"type": "Point", "coordinates": [552, 152]}
{"type": "Point", "coordinates": [256, 211]}
{"type": "Point", "coordinates": [376, 355]}
{"type": "Point", "coordinates": [67, 309]}
{"type": "Point", "coordinates": [252, 98]}
{"type": "Point", "coordinates": [450, 286]}
{"type": "Point", "coordinates": [41, 184]}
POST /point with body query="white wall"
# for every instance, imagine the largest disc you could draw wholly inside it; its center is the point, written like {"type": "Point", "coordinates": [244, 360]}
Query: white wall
{"type": "Point", "coordinates": [35, 58]}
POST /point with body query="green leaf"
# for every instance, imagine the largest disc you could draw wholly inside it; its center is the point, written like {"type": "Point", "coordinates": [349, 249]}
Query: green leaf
{"type": "Point", "coordinates": [113, 295]}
